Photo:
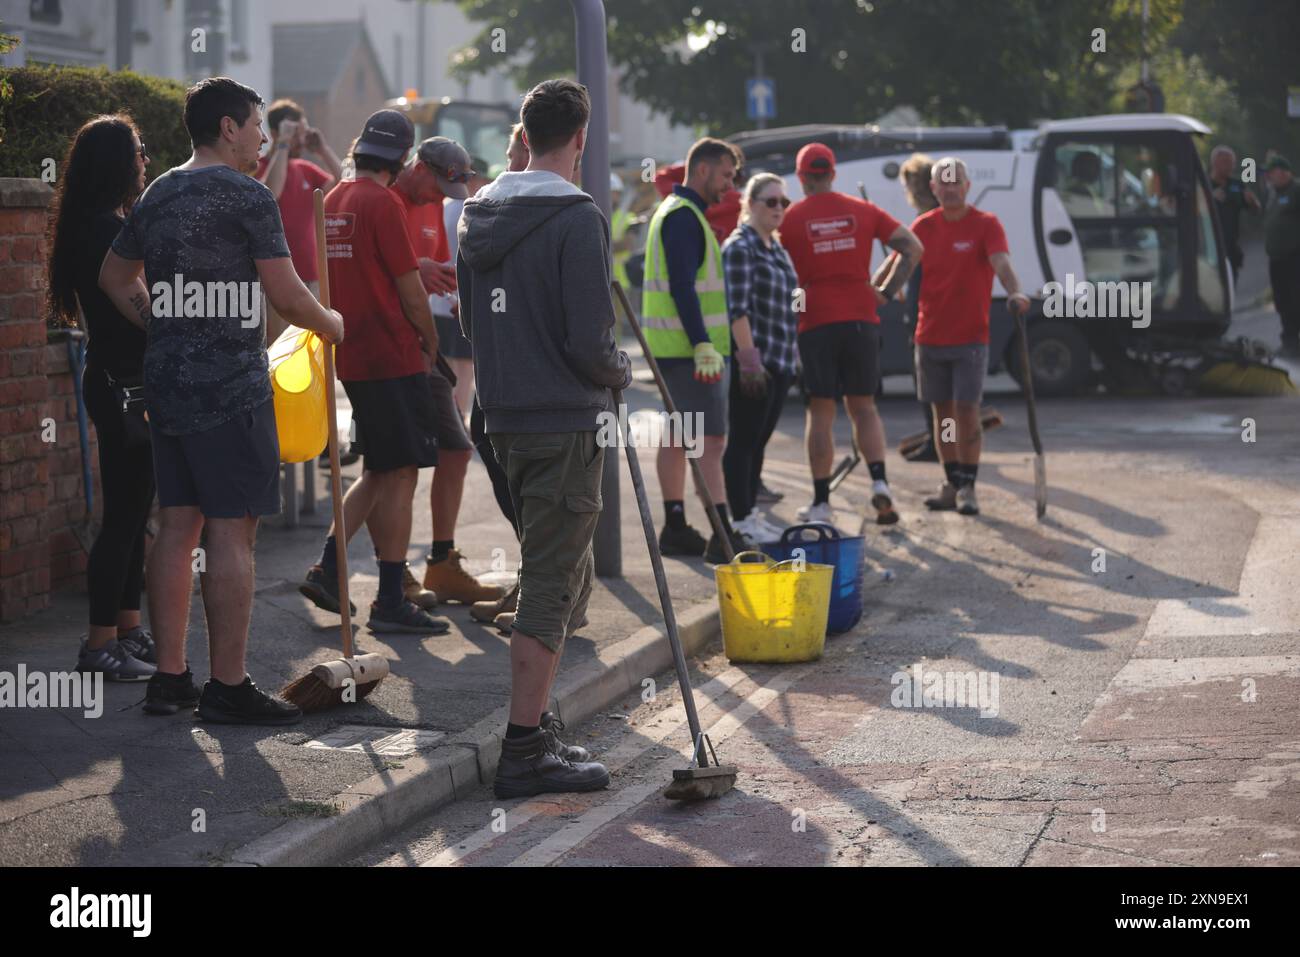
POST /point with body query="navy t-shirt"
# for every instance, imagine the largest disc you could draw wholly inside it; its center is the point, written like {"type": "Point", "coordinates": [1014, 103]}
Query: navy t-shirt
{"type": "Point", "coordinates": [205, 362]}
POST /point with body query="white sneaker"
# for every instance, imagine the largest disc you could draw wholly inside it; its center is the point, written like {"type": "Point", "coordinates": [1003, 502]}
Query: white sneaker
{"type": "Point", "coordinates": [883, 503]}
{"type": "Point", "coordinates": [758, 528]}
{"type": "Point", "coordinates": [817, 513]}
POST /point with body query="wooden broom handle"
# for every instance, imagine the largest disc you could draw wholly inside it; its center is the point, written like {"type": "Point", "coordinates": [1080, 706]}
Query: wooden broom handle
{"type": "Point", "coordinates": [336, 476]}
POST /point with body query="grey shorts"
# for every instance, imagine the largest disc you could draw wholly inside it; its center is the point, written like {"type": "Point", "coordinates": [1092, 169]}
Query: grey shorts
{"type": "Point", "coordinates": [695, 397]}
{"type": "Point", "coordinates": [951, 373]}
{"type": "Point", "coordinates": [554, 480]}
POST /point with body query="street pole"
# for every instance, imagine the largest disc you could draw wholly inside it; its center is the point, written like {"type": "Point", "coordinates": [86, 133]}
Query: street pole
{"type": "Point", "coordinates": [758, 73]}
{"type": "Point", "coordinates": [589, 20]}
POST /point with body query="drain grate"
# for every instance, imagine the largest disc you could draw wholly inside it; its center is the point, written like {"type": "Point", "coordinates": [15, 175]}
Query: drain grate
{"type": "Point", "coordinates": [371, 739]}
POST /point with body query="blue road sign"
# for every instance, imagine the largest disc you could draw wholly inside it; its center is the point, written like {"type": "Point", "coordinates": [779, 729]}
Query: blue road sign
{"type": "Point", "coordinates": [760, 97]}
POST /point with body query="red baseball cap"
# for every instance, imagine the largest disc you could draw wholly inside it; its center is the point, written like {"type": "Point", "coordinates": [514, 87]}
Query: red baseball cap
{"type": "Point", "coordinates": [815, 158]}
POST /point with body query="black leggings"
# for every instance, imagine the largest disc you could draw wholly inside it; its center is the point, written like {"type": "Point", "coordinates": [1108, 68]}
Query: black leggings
{"type": "Point", "coordinates": [750, 424]}
{"type": "Point", "coordinates": [115, 569]}
{"type": "Point", "coordinates": [500, 484]}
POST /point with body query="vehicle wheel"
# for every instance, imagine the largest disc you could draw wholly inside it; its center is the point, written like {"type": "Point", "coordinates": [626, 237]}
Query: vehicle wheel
{"type": "Point", "coordinates": [1059, 355]}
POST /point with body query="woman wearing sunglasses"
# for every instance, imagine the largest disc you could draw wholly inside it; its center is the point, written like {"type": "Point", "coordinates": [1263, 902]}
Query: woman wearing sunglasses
{"type": "Point", "coordinates": [102, 176]}
{"type": "Point", "coordinates": [760, 288]}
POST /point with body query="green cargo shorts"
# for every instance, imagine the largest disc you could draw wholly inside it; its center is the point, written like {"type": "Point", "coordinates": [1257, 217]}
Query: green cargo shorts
{"type": "Point", "coordinates": [554, 480]}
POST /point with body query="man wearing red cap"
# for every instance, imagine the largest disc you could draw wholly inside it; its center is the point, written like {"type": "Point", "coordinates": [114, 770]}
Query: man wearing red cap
{"type": "Point", "coordinates": [829, 237]}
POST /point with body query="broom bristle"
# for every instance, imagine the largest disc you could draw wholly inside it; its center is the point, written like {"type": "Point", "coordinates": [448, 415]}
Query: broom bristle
{"type": "Point", "coordinates": [1235, 378]}
{"type": "Point", "coordinates": [313, 695]}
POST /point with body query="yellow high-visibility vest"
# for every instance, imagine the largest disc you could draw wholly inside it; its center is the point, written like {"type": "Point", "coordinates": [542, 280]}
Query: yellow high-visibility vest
{"type": "Point", "coordinates": [663, 327]}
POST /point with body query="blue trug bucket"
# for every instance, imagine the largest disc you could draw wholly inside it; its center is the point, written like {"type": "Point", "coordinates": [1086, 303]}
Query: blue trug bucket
{"type": "Point", "coordinates": [822, 544]}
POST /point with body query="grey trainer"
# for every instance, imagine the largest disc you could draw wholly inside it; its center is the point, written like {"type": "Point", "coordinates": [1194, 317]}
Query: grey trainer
{"type": "Point", "coordinates": [966, 503]}
{"type": "Point", "coordinates": [114, 662]}
{"type": "Point", "coordinates": [570, 752]}
{"type": "Point", "coordinates": [945, 501]}
{"type": "Point", "coordinates": [529, 766]}
{"type": "Point", "coordinates": [139, 642]}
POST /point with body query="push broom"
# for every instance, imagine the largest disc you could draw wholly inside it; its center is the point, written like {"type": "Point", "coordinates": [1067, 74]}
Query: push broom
{"type": "Point", "coordinates": [352, 677]}
{"type": "Point", "coordinates": [701, 779]}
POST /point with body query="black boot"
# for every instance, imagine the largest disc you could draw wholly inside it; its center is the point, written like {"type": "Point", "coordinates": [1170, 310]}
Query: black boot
{"type": "Point", "coordinates": [528, 766]}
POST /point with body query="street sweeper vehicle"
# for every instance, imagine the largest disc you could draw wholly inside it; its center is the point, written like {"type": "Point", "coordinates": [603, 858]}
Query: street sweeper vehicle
{"type": "Point", "coordinates": [1112, 230]}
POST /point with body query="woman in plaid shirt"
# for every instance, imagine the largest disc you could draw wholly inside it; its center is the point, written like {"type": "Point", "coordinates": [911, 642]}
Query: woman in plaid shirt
{"type": "Point", "coordinates": [760, 288]}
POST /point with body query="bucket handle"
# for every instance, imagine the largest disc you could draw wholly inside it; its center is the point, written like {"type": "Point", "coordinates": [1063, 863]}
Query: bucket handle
{"type": "Point", "coordinates": [824, 531]}
{"type": "Point", "coordinates": [761, 556]}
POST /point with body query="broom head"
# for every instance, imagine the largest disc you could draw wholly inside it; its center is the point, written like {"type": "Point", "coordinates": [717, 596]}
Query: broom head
{"type": "Point", "coordinates": [698, 784]}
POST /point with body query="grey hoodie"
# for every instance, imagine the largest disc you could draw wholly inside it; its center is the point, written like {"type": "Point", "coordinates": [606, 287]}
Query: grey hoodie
{"type": "Point", "coordinates": [532, 271]}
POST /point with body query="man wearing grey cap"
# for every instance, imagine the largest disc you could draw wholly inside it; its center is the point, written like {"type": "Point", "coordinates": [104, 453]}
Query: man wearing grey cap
{"type": "Point", "coordinates": [441, 168]}
{"type": "Point", "coordinates": [374, 282]}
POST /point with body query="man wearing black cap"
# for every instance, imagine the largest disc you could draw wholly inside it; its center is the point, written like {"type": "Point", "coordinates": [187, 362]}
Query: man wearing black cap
{"type": "Point", "coordinates": [375, 283]}
{"type": "Point", "coordinates": [441, 169]}
{"type": "Point", "coordinates": [1282, 244]}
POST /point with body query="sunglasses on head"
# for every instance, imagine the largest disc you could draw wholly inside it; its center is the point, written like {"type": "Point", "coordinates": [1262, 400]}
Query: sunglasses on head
{"type": "Point", "coordinates": [773, 201]}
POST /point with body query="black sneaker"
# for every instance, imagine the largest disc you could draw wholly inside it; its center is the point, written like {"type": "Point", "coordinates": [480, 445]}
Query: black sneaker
{"type": "Point", "coordinates": [323, 590]}
{"type": "Point", "coordinates": [243, 704]}
{"type": "Point", "coordinates": [714, 554]}
{"type": "Point", "coordinates": [681, 541]}
{"type": "Point", "coordinates": [168, 694]}
{"type": "Point", "coordinates": [406, 618]}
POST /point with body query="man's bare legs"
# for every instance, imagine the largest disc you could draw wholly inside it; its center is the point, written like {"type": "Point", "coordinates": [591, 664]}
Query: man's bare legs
{"type": "Point", "coordinates": [228, 594]}
{"type": "Point", "coordinates": [170, 577]}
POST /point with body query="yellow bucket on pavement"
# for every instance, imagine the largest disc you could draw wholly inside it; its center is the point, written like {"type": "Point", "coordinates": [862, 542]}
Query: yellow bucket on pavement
{"type": "Point", "coordinates": [297, 361]}
{"type": "Point", "coordinates": [773, 611]}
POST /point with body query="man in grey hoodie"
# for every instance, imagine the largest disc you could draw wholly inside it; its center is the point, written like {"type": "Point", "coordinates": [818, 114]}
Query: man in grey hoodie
{"type": "Point", "coordinates": [533, 275]}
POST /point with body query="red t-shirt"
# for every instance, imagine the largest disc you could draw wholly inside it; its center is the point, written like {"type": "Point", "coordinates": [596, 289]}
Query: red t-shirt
{"type": "Point", "coordinates": [368, 246]}
{"type": "Point", "coordinates": [426, 229]}
{"type": "Point", "coordinates": [300, 180]}
{"type": "Point", "coordinates": [829, 238]}
{"type": "Point", "coordinates": [724, 214]}
{"type": "Point", "coordinates": [956, 276]}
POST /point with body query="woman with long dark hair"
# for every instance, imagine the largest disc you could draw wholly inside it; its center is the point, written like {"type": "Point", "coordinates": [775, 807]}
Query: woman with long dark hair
{"type": "Point", "coordinates": [102, 175]}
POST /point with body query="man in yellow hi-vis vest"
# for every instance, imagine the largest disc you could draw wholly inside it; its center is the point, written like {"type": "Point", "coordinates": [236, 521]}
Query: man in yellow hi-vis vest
{"type": "Point", "coordinates": [684, 311]}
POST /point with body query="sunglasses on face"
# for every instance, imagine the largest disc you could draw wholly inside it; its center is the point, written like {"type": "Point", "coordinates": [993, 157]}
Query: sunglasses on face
{"type": "Point", "coordinates": [773, 201]}
{"type": "Point", "coordinates": [142, 152]}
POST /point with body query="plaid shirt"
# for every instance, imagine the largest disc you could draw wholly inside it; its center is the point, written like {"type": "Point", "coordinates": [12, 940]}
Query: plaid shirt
{"type": "Point", "coordinates": [761, 284]}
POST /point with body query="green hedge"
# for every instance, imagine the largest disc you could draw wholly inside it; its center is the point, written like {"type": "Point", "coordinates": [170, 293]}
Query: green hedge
{"type": "Point", "coordinates": [43, 106]}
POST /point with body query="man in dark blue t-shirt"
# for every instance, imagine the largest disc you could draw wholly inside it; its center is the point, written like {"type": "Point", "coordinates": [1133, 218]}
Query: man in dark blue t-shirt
{"type": "Point", "coordinates": [208, 239]}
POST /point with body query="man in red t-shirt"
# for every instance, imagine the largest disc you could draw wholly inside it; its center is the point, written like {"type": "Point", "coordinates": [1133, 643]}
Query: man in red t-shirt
{"type": "Point", "coordinates": [375, 283]}
{"type": "Point", "coordinates": [293, 181]}
{"type": "Point", "coordinates": [441, 169]}
{"type": "Point", "coordinates": [829, 237]}
{"type": "Point", "coordinates": [964, 248]}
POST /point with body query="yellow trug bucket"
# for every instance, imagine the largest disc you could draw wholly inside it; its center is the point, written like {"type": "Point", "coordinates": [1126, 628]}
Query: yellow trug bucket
{"type": "Point", "coordinates": [297, 361]}
{"type": "Point", "coordinates": [773, 611]}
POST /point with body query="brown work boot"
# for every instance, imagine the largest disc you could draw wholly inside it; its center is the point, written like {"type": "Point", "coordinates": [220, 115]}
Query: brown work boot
{"type": "Point", "coordinates": [487, 611]}
{"type": "Point", "coordinates": [945, 501]}
{"type": "Point", "coordinates": [416, 593]}
{"type": "Point", "coordinates": [505, 622]}
{"type": "Point", "coordinates": [452, 583]}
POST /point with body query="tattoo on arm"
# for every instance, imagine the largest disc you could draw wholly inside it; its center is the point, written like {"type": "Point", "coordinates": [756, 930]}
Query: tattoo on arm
{"type": "Point", "coordinates": [142, 309]}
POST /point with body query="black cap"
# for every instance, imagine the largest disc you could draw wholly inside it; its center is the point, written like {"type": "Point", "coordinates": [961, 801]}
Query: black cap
{"type": "Point", "coordinates": [450, 163]}
{"type": "Point", "coordinates": [388, 134]}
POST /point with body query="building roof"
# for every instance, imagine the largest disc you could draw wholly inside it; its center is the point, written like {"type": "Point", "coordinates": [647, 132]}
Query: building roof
{"type": "Point", "coordinates": [308, 57]}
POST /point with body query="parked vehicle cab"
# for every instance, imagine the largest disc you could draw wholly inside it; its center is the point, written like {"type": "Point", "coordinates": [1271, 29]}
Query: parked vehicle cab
{"type": "Point", "coordinates": [1103, 199]}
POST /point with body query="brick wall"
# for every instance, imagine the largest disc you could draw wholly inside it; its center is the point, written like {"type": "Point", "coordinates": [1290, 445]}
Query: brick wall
{"type": "Point", "coordinates": [44, 529]}
{"type": "Point", "coordinates": [24, 462]}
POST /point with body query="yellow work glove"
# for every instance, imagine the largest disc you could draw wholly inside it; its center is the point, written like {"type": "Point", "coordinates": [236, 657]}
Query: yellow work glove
{"type": "Point", "coordinates": [708, 363]}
